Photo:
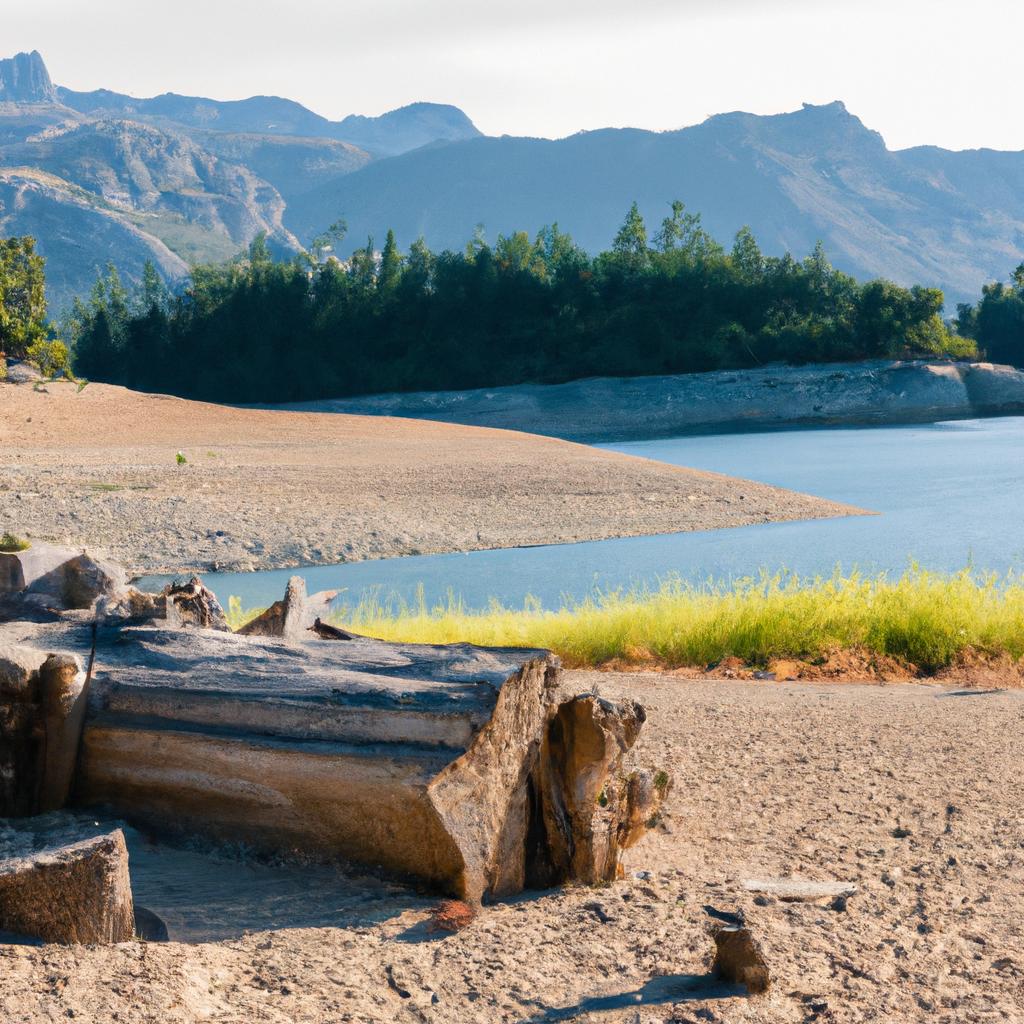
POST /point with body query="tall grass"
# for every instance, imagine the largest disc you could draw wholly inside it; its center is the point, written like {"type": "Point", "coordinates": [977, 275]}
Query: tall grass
{"type": "Point", "coordinates": [920, 617]}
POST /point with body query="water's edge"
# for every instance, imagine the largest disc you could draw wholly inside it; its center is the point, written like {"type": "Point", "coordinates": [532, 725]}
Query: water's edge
{"type": "Point", "coordinates": [613, 409]}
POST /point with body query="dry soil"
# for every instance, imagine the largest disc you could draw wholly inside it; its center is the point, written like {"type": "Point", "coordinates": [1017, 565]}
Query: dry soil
{"type": "Point", "coordinates": [911, 792]}
{"type": "Point", "coordinates": [267, 489]}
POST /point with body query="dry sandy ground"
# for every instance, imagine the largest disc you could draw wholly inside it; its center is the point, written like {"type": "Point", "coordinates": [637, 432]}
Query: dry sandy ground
{"type": "Point", "coordinates": [910, 791]}
{"type": "Point", "coordinates": [267, 489]}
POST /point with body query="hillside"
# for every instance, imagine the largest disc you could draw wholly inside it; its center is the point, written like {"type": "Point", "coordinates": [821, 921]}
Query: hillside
{"type": "Point", "coordinates": [182, 178]}
{"type": "Point", "coordinates": [102, 177]}
{"type": "Point", "coordinates": [927, 215]}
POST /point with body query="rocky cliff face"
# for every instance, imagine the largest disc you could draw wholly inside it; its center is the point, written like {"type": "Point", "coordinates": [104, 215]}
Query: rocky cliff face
{"type": "Point", "coordinates": [100, 177]}
{"type": "Point", "coordinates": [24, 79]}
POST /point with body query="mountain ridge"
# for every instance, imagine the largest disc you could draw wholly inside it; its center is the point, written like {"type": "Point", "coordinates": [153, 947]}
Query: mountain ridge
{"type": "Point", "coordinates": [194, 179]}
{"type": "Point", "coordinates": [949, 219]}
{"type": "Point", "coordinates": [101, 177]}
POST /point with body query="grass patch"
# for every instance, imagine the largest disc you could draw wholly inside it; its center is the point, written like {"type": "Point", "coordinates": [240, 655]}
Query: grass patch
{"type": "Point", "coordinates": [925, 619]}
{"type": "Point", "coordinates": [9, 544]}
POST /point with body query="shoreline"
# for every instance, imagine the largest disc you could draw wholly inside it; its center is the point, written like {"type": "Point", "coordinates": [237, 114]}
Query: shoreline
{"type": "Point", "coordinates": [265, 489]}
{"type": "Point", "coordinates": [603, 410]}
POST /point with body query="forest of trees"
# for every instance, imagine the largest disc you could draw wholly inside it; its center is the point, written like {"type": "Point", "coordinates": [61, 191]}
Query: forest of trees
{"type": "Point", "coordinates": [523, 309]}
{"type": "Point", "coordinates": [996, 323]}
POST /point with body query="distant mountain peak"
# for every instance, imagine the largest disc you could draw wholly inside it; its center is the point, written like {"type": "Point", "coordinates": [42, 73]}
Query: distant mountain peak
{"type": "Point", "coordinates": [408, 127]}
{"type": "Point", "coordinates": [24, 79]}
{"type": "Point", "coordinates": [835, 107]}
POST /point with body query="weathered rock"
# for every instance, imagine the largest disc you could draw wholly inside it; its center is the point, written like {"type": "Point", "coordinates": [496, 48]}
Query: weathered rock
{"type": "Point", "coordinates": [413, 758]}
{"type": "Point", "coordinates": [740, 959]}
{"type": "Point", "coordinates": [20, 569]}
{"type": "Point", "coordinates": [68, 892]}
{"type": "Point", "coordinates": [133, 606]}
{"type": "Point", "coordinates": [78, 583]}
{"type": "Point", "coordinates": [798, 890]}
{"type": "Point", "coordinates": [292, 617]}
{"type": "Point", "coordinates": [588, 810]}
{"type": "Point", "coordinates": [458, 765]}
{"type": "Point", "coordinates": [192, 604]}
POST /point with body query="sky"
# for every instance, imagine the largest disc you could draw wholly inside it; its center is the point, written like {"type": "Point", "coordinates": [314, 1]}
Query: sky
{"type": "Point", "coordinates": [942, 72]}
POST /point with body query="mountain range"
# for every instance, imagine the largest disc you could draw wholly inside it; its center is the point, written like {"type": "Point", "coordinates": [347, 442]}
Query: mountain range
{"type": "Point", "coordinates": [101, 176]}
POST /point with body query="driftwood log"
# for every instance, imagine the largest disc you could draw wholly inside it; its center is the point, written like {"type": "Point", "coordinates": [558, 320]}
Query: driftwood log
{"type": "Point", "coordinates": [467, 768]}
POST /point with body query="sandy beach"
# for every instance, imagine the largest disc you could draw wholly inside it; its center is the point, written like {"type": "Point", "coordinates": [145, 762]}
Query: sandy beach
{"type": "Point", "coordinates": [270, 489]}
{"type": "Point", "coordinates": [873, 785]}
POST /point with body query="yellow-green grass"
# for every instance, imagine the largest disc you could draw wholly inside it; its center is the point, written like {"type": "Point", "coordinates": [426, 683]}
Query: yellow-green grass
{"type": "Point", "coordinates": [924, 618]}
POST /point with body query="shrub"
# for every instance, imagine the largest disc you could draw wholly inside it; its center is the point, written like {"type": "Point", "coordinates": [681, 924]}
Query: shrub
{"type": "Point", "coordinates": [51, 356]}
{"type": "Point", "coordinates": [9, 544]}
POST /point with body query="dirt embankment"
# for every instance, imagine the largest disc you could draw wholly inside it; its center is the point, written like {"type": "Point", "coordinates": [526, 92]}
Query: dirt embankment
{"type": "Point", "coordinates": [635, 408]}
{"type": "Point", "coordinates": [909, 792]}
{"type": "Point", "coordinates": [266, 489]}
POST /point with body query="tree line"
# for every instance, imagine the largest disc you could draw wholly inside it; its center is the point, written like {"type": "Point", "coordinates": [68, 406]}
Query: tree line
{"type": "Point", "coordinates": [996, 321]}
{"type": "Point", "coordinates": [523, 309]}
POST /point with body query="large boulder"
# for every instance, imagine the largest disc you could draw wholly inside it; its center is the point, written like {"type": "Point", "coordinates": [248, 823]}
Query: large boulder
{"type": "Point", "coordinates": [74, 889]}
{"type": "Point", "coordinates": [77, 583]}
{"type": "Point", "coordinates": [20, 569]}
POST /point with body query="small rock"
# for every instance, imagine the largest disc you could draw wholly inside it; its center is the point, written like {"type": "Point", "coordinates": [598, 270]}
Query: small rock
{"type": "Point", "coordinates": [798, 890]}
{"type": "Point", "coordinates": [600, 911]}
{"type": "Point", "coordinates": [740, 959]}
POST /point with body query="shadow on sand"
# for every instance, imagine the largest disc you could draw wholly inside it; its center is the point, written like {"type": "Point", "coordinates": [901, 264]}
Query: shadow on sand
{"type": "Point", "coordinates": [670, 988]}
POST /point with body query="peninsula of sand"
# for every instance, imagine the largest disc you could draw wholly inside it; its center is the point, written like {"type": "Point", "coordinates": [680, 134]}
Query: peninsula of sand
{"type": "Point", "coordinates": [168, 485]}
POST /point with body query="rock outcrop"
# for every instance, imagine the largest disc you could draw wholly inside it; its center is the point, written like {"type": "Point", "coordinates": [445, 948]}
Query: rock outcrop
{"type": "Point", "coordinates": [639, 408]}
{"type": "Point", "coordinates": [24, 79]}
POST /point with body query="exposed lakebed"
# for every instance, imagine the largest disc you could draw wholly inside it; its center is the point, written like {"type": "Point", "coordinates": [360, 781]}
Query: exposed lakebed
{"type": "Point", "coordinates": [947, 495]}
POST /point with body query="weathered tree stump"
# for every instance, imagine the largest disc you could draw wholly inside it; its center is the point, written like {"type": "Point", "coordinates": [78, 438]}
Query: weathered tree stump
{"type": "Point", "coordinates": [73, 890]}
{"type": "Point", "coordinates": [464, 767]}
{"type": "Point", "coordinates": [42, 709]}
{"type": "Point", "coordinates": [294, 615]}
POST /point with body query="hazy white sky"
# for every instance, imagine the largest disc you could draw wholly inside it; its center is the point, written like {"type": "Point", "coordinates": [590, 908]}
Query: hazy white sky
{"type": "Point", "coordinates": [946, 72]}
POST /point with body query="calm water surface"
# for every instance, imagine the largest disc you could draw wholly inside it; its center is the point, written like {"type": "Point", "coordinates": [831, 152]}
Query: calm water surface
{"type": "Point", "coordinates": [947, 494]}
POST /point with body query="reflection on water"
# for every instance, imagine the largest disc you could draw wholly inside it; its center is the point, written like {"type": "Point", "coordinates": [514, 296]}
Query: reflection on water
{"type": "Point", "coordinates": [947, 494]}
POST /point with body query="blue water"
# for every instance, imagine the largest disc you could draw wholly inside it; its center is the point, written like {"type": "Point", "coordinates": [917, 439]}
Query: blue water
{"type": "Point", "coordinates": [947, 495]}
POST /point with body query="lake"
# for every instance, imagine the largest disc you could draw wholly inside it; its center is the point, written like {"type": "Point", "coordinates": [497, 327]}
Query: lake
{"type": "Point", "coordinates": [947, 495]}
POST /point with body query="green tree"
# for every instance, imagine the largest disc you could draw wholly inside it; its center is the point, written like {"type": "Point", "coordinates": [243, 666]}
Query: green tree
{"type": "Point", "coordinates": [326, 243]}
{"type": "Point", "coordinates": [746, 256]}
{"type": "Point", "coordinates": [22, 296]}
{"type": "Point", "coordinates": [630, 246]}
{"type": "Point", "coordinates": [390, 265]}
